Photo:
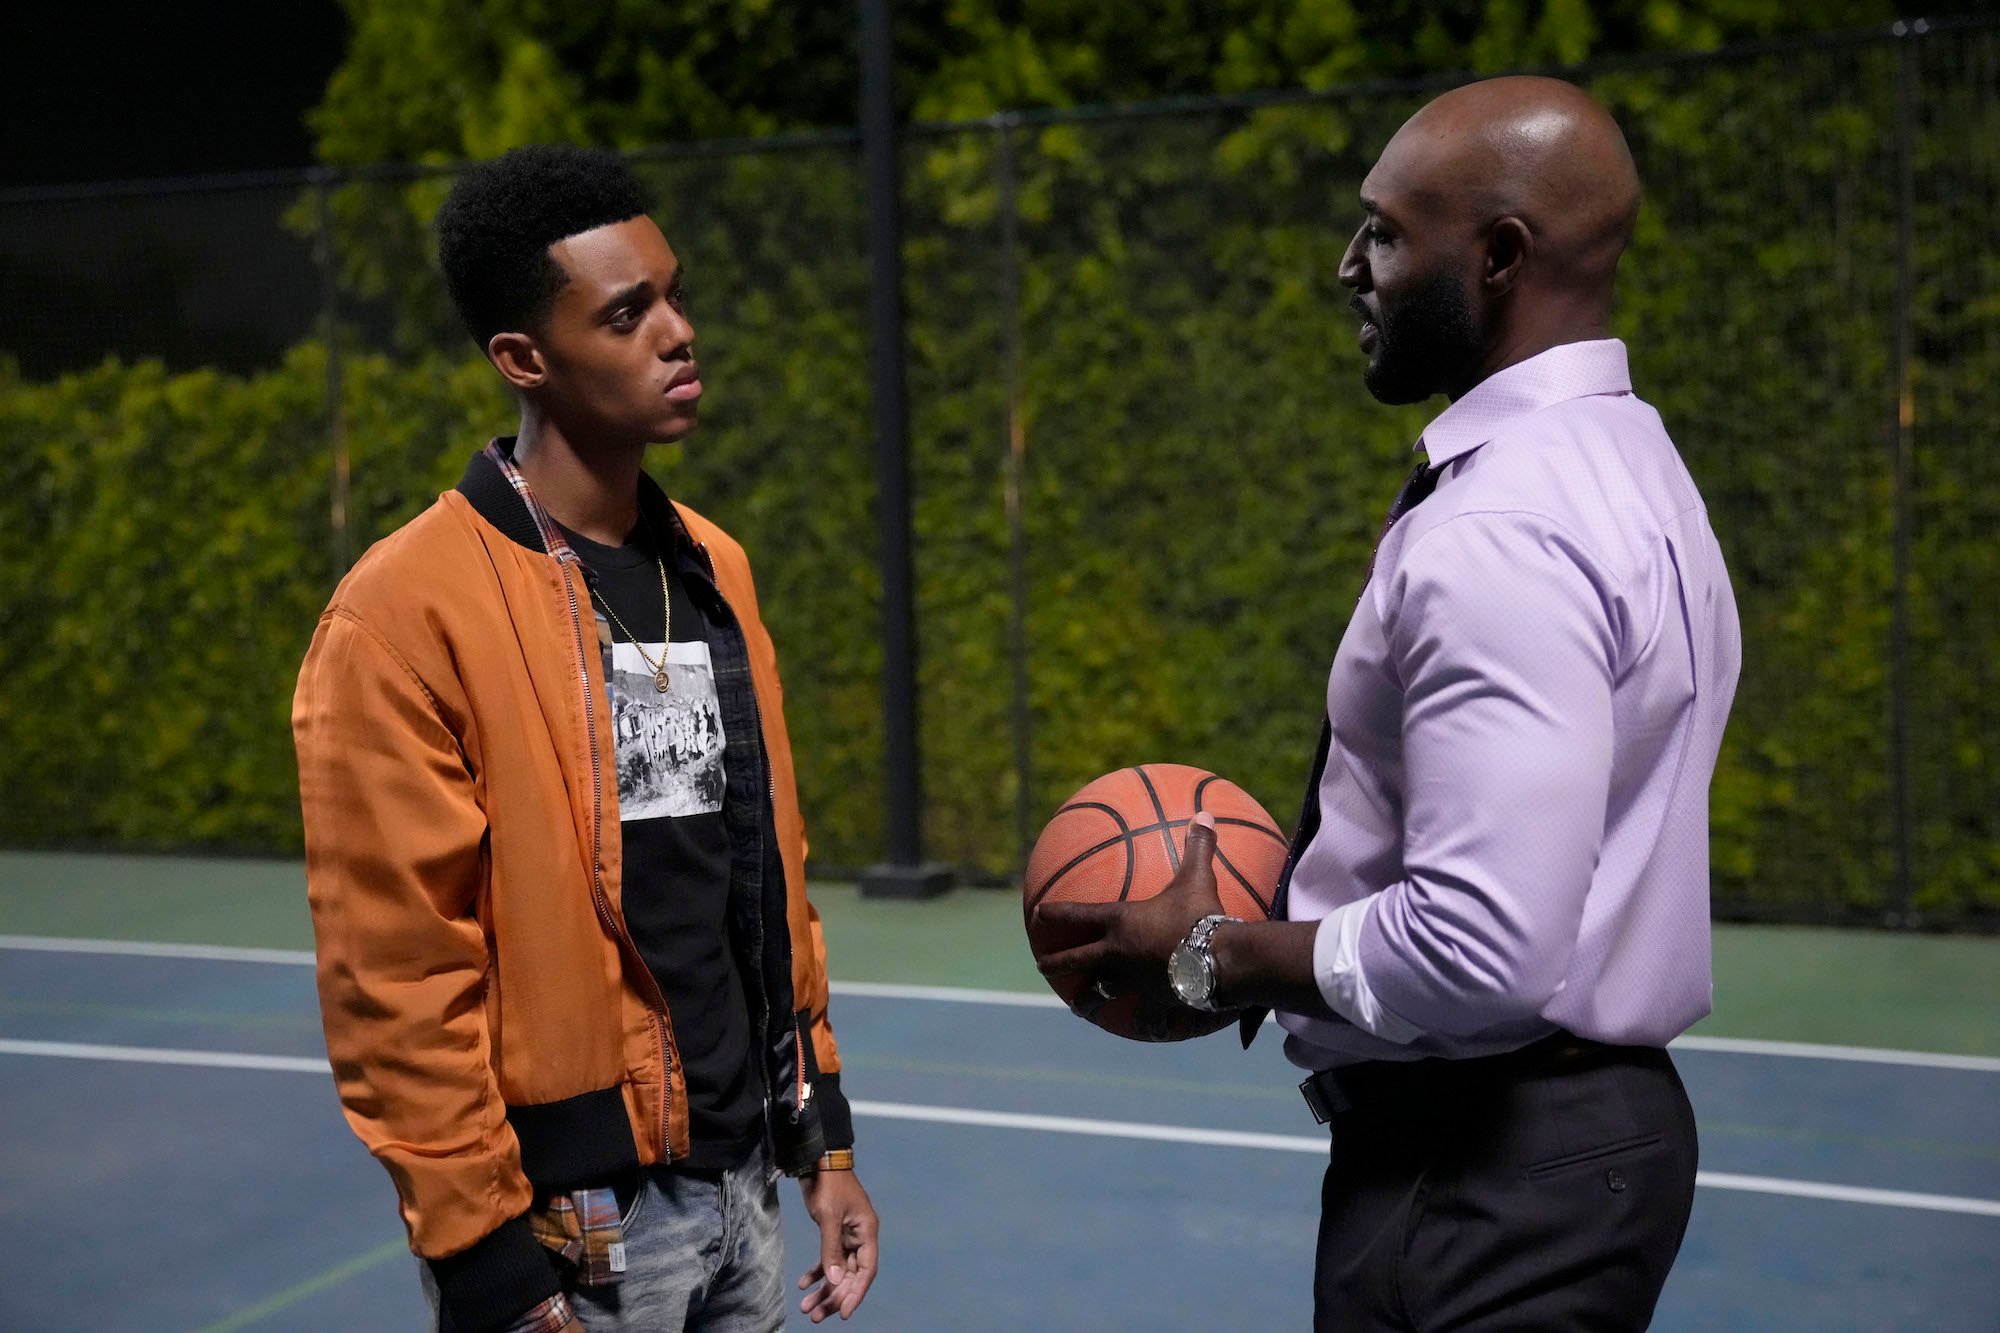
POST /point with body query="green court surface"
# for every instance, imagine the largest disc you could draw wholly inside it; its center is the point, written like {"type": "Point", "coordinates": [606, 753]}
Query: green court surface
{"type": "Point", "coordinates": [1779, 983]}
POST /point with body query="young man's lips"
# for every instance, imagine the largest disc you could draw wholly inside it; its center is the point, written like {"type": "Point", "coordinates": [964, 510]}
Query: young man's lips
{"type": "Point", "coordinates": [1367, 335]}
{"type": "Point", "coordinates": [684, 391]}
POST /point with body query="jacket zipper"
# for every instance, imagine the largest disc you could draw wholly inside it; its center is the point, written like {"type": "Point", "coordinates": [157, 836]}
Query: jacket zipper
{"type": "Point", "coordinates": [658, 1014]}
{"type": "Point", "coordinates": [771, 795]}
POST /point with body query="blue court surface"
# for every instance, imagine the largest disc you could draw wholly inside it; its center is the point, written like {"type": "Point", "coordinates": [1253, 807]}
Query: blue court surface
{"type": "Point", "coordinates": [174, 1159]}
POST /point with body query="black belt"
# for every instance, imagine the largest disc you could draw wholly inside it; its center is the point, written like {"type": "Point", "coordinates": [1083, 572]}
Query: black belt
{"type": "Point", "coordinates": [1379, 1085]}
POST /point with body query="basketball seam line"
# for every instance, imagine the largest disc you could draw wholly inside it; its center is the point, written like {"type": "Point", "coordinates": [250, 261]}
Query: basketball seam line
{"type": "Point", "coordinates": [1255, 897]}
{"type": "Point", "coordinates": [1231, 820]}
{"type": "Point", "coordinates": [1077, 860]}
{"type": "Point", "coordinates": [1166, 834]}
{"type": "Point", "coordinates": [1201, 789]}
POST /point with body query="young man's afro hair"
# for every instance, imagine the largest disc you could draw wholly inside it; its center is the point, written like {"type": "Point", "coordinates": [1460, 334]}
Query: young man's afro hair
{"type": "Point", "coordinates": [496, 226]}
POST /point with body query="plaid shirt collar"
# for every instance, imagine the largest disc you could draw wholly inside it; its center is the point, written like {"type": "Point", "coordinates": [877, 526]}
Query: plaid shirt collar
{"type": "Point", "coordinates": [653, 503]}
{"type": "Point", "coordinates": [499, 452]}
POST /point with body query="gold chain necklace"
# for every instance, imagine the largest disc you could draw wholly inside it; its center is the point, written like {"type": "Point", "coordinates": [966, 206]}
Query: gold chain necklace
{"type": "Point", "coordinates": [660, 681]}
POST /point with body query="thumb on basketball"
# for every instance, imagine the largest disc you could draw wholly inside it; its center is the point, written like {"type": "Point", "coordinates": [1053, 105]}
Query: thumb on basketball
{"type": "Point", "coordinates": [1201, 838]}
{"type": "Point", "coordinates": [1196, 879]}
{"type": "Point", "coordinates": [1198, 855]}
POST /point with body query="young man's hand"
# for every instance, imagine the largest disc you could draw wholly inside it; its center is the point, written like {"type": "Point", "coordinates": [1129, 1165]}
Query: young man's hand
{"type": "Point", "coordinates": [1124, 947]}
{"type": "Point", "coordinates": [847, 1233]}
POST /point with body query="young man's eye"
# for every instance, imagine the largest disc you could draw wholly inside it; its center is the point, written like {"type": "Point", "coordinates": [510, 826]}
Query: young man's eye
{"type": "Point", "coordinates": [625, 320]}
{"type": "Point", "coordinates": [678, 298]}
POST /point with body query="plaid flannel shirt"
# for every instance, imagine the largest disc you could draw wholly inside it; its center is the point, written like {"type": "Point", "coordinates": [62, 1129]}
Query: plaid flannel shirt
{"type": "Point", "coordinates": [582, 1228]}
{"type": "Point", "coordinates": [551, 1316]}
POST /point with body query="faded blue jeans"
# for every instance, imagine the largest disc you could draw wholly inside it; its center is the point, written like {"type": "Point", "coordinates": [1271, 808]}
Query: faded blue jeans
{"type": "Point", "coordinates": [703, 1253]}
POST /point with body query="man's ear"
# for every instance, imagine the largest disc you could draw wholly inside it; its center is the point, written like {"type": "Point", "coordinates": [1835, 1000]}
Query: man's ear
{"type": "Point", "coordinates": [1509, 247]}
{"type": "Point", "coordinates": [517, 359]}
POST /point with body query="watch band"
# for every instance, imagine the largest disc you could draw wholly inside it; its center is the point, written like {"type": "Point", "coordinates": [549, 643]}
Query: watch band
{"type": "Point", "coordinates": [836, 1159]}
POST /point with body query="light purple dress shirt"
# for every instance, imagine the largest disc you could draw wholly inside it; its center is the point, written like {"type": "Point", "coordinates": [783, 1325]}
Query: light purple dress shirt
{"type": "Point", "coordinates": [1526, 710]}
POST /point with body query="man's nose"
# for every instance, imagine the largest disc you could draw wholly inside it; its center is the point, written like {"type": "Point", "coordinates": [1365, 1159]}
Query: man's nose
{"type": "Point", "coordinates": [679, 335]}
{"type": "Point", "coordinates": [1352, 272]}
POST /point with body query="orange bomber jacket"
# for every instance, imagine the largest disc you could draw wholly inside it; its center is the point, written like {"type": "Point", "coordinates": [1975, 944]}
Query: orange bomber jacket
{"type": "Point", "coordinates": [494, 1034]}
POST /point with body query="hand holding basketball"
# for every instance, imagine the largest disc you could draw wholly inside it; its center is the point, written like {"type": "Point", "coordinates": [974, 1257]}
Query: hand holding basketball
{"type": "Point", "coordinates": [1125, 946]}
{"type": "Point", "coordinates": [1120, 874]}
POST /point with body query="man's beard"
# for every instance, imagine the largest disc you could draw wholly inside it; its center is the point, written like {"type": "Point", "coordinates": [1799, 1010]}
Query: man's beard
{"type": "Point", "coordinates": [1425, 343]}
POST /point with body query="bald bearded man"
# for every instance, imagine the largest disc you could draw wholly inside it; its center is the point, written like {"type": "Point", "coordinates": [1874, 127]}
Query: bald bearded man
{"type": "Point", "coordinates": [1495, 914]}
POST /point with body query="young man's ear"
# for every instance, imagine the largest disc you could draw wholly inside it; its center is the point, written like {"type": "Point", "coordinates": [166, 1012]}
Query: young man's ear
{"type": "Point", "coordinates": [517, 358]}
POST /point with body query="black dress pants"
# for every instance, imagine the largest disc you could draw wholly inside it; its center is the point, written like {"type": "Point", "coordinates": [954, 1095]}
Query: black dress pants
{"type": "Point", "coordinates": [1546, 1190]}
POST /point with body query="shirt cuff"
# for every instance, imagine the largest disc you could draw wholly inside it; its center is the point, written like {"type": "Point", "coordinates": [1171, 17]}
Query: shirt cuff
{"type": "Point", "coordinates": [1337, 973]}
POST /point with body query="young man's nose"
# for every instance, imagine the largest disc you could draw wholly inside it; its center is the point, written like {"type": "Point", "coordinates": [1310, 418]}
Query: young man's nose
{"type": "Point", "coordinates": [676, 338]}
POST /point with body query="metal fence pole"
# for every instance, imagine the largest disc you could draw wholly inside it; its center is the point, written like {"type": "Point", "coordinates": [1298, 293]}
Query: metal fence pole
{"type": "Point", "coordinates": [1020, 717]}
{"type": "Point", "coordinates": [1902, 432]}
{"type": "Point", "coordinates": [903, 874]}
{"type": "Point", "coordinates": [341, 478]}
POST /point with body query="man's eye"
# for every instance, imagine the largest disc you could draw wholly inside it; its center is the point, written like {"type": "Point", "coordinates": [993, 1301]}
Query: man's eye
{"type": "Point", "coordinates": [1375, 234]}
{"type": "Point", "coordinates": [625, 320]}
{"type": "Point", "coordinates": [678, 298]}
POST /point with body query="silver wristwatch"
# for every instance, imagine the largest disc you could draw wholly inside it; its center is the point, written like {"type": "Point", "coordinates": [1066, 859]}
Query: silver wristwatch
{"type": "Point", "coordinates": [1191, 968]}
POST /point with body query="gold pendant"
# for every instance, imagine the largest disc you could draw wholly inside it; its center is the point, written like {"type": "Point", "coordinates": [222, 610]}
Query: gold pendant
{"type": "Point", "coordinates": [660, 680]}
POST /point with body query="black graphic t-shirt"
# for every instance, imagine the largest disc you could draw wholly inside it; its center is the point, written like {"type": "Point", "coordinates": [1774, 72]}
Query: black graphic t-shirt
{"type": "Point", "coordinates": [677, 854]}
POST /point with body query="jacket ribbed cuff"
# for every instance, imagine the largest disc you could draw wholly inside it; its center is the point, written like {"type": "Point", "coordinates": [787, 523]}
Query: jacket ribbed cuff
{"type": "Point", "coordinates": [486, 1288]}
{"type": "Point", "coordinates": [836, 1118]}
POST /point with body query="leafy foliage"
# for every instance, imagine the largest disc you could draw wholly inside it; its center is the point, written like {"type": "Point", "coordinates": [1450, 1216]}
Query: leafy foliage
{"type": "Point", "coordinates": [172, 552]}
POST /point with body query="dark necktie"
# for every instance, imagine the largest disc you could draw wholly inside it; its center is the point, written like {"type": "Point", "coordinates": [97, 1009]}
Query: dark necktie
{"type": "Point", "coordinates": [1417, 489]}
{"type": "Point", "coordinates": [1422, 481]}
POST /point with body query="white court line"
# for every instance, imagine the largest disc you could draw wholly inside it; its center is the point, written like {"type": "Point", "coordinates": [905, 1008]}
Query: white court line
{"type": "Point", "coordinates": [1812, 1189]}
{"type": "Point", "coordinates": [207, 953]}
{"type": "Point", "coordinates": [878, 990]}
{"type": "Point", "coordinates": [1109, 1129]}
{"type": "Point", "coordinates": [1047, 1124]}
{"type": "Point", "coordinates": [1983, 1064]}
{"type": "Point", "coordinates": [153, 1055]}
{"type": "Point", "coordinates": [887, 990]}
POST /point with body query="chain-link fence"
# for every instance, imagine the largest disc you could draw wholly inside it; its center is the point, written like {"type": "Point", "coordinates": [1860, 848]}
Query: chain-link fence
{"type": "Point", "coordinates": [1146, 475]}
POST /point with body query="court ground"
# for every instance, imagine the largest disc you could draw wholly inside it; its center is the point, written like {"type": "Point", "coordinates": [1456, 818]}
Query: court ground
{"type": "Point", "coordinates": [173, 1157]}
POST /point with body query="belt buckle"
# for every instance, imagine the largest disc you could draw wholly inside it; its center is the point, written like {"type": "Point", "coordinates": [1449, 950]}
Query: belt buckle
{"type": "Point", "coordinates": [1324, 1097]}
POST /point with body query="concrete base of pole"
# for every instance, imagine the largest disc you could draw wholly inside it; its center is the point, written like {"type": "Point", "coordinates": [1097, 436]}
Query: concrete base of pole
{"type": "Point", "coordinates": [908, 882]}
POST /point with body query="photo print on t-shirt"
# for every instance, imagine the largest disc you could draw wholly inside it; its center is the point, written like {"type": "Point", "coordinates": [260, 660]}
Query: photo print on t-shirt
{"type": "Point", "coordinates": [669, 745]}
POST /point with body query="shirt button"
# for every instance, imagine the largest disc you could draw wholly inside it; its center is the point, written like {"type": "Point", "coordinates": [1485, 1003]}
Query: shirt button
{"type": "Point", "coordinates": [1616, 1180]}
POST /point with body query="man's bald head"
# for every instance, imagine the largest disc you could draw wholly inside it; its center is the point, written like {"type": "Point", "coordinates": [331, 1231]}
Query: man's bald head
{"type": "Point", "coordinates": [1501, 208]}
{"type": "Point", "coordinates": [1538, 149]}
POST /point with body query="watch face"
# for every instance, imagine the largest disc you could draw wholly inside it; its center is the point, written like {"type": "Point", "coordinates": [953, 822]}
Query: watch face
{"type": "Point", "coordinates": [1184, 972]}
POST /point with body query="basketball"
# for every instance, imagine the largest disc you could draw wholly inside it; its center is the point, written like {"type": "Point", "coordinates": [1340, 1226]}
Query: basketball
{"type": "Point", "coordinates": [1120, 839]}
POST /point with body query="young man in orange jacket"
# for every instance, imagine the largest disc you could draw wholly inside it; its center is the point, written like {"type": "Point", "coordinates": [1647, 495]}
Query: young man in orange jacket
{"type": "Point", "coordinates": [573, 992]}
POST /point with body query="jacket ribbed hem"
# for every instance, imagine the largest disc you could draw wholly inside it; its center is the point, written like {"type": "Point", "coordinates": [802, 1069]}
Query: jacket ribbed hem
{"type": "Point", "coordinates": [486, 1288]}
{"type": "Point", "coordinates": [576, 1143]}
